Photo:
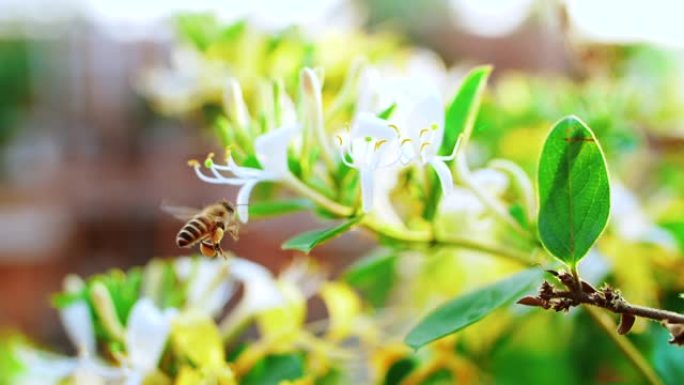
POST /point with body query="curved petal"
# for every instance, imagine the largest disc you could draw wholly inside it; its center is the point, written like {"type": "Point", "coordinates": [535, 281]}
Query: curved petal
{"type": "Point", "coordinates": [217, 180]}
{"type": "Point", "coordinates": [261, 290]}
{"type": "Point", "coordinates": [79, 326]}
{"type": "Point", "coordinates": [446, 180]}
{"type": "Point", "coordinates": [208, 286]}
{"type": "Point", "coordinates": [369, 125]}
{"type": "Point", "coordinates": [146, 334]}
{"type": "Point", "coordinates": [271, 149]}
{"type": "Point", "coordinates": [241, 172]}
{"type": "Point", "coordinates": [242, 200]}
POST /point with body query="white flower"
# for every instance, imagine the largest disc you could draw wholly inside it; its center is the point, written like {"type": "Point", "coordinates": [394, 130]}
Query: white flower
{"type": "Point", "coordinates": [260, 288]}
{"type": "Point", "coordinates": [631, 222]}
{"type": "Point", "coordinates": [260, 293]}
{"type": "Point", "coordinates": [208, 286]}
{"type": "Point", "coordinates": [418, 114]}
{"type": "Point", "coordinates": [46, 368]}
{"type": "Point", "coordinates": [271, 151]}
{"type": "Point", "coordinates": [372, 144]}
{"type": "Point", "coordinates": [146, 334]}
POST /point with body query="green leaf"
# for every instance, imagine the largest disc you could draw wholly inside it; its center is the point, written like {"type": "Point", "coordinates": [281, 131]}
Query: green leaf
{"type": "Point", "coordinates": [307, 241]}
{"type": "Point", "coordinates": [462, 112]}
{"type": "Point", "coordinates": [275, 208]}
{"type": "Point", "coordinates": [374, 277]}
{"type": "Point", "coordinates": [387, 113]}
{"type": "Point", "coordinates": [465, 310]}
{"type": "Point", "coordinates": [667, 358]}
{"type": "Point", "coordinates": [518, 213]}
{"type": "Point", "coordinates": [399, 370]}
{"type": "Point", "coordinates": [676, 229]}
{"type": "Point", "coordinates": [275, 368]}
{"type": "Point", "coordinates": [574, 191]}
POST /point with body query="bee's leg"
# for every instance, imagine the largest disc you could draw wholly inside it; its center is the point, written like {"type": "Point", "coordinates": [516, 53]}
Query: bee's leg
{"type": "Point", "coordinates": [233, 230]}
{"type": "Point", "coordinates": [217, 235]}
{"type": "Point", "coordinates": [219, 251]}
{"type": "Point", "coordinates": [207, 249]}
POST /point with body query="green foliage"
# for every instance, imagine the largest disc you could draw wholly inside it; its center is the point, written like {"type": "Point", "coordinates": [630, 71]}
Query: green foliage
{"type": "Point", "coordinates": [10, 365]}
{"type": "Point", "coordinates": [399, 370]}
{"type": "Point", "coordinates": [275, 368]}
{"type": "Point", "coordinates": [373, 276]}
{"type": "Point", "coordinates": [387, 113]}
{"type": "Point", "coordinates": [305, 242]}
{"type": "Point", "coordinates": [462, 111]}
{"type": "Point", "coordinates": [276, 208]}
{"type": "Point", "coordinates": [124, 288]}
{"type": "Point", "coordinates": [667, 359]}
{"type": "Point", "coordinates": [676, 229]}
{"type": "Point", "coordinates": [574, 191]}
{"type": "Point", "coordinates": [471, 307]}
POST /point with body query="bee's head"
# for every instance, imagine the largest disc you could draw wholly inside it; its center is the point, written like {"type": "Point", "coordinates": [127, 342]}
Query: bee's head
{"type": "Point", "coordinates": [228, 206]}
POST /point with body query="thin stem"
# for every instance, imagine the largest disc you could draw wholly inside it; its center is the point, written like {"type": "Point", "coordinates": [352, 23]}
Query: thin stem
{"type": "Point", "coordinates": [464, 175]}
{"type": "Point", "coordinates": [626, 347]}
{"type": "Point", "coordinates": [321, 200]}
{"type": "Point", "coordinates": [404, 234]}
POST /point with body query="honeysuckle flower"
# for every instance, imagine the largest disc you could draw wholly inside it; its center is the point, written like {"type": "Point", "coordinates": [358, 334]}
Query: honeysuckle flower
{"type": "Point", "coordinates": [44, 368]}
{"type": "Point", "coordinates": [208, 285]}
{"type": "Point", "coordinates": [271, 151]}
{"type": "Point", "coordinates": [261, 293]}
{"type": "Point", "coordinates": [464, 208]}
{"type": "Point", "coordinates": [146, 334]}
{"type": "Point", "coordinates": [190, 81]}
{"type": "Point", "coordinates": [419, 115]}
{"type": "Point", "coordinates": [371, 144]}
{"type": "Point", "coordinates": [631, 222]}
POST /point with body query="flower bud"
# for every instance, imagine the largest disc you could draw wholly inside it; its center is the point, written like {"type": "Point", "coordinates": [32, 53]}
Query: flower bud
{"type": "Point", "coordinates": [105, 310]}
{"type": "Point", "coordinates": [234, 104]}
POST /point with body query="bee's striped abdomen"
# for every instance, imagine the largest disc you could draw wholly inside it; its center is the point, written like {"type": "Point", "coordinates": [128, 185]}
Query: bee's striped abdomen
{"type": "Point", "coordinates": [195, 230]}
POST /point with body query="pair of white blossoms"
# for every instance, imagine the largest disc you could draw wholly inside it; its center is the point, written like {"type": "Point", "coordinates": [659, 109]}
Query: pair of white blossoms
{"type": "Point", "coordinates": [413, 134]}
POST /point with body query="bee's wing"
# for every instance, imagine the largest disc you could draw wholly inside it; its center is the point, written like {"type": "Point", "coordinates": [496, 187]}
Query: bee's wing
{"type": "Point", "coordinates": [181, 212]}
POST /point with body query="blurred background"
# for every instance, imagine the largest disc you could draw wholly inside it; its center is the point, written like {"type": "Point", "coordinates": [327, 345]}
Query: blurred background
{"type": "Point", "coordinates": [86, 162]}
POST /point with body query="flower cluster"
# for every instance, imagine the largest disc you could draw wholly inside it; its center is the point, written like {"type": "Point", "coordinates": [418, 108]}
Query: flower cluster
{"type": "Point", "coordinates": [173, 320]}
{"type": "Point", "coordinates": [407, 132]}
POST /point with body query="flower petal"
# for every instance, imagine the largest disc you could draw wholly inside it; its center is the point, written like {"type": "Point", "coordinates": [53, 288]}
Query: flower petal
{"type": "Point", "coordinates": [79, 326]}
{"type": "Point", "coordinates": [216, 179]}
{"type": "Point", "coordinates": [261, 290]}
{"type": "Point", "coordinates": [242, 200]}
{"type": "Point", "coordinates": [271, 149]}
{"type": "Point", "coordinates": [369, 125]}
{"type": "Point", "coordinates": [146, 334]}
{"type": "Point", "coordinates": [446, 180]}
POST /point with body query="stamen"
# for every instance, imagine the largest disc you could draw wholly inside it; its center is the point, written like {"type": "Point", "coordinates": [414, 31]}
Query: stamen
{"type": "Point", "coordinates": [405, 141]}
{"type": "Point", "coordinates": [425, 145]}
{"type": "Point", "coordinates": [423, 132]}
{"type": "Point", "coordinates": [368, 139]}
{"type": "Point", "coordinates": [193, 163]}
{"type": "Point", "coordinates": [379, 143]}
{"type": "Point", "coordinates": [395, 128]}
{"type": "Point", "coordinates": [340, 141]}
{"type": "Point", "coordinates": [209, 162]}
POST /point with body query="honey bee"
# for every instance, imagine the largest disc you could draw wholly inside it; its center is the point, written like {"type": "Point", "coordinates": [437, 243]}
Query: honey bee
{"type": "Point", "coordinates": [206, 227]}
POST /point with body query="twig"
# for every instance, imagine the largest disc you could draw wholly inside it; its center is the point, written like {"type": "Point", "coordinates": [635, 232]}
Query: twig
{"type": "Point", "coordinates": [580, 292]}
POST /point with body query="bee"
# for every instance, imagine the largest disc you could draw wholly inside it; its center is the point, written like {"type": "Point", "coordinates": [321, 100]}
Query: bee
{"type": "Point", "coordinates": [206, 227]}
